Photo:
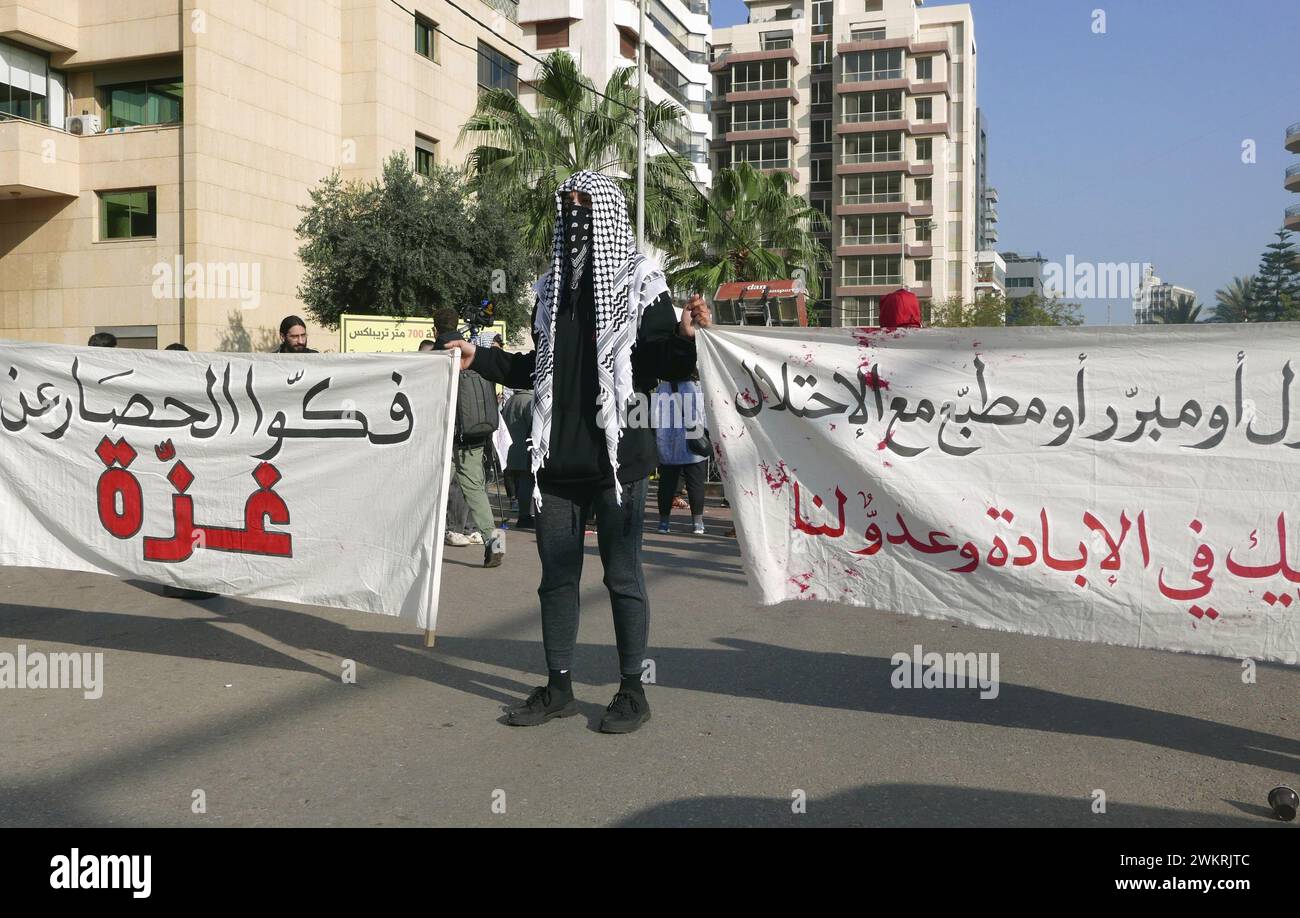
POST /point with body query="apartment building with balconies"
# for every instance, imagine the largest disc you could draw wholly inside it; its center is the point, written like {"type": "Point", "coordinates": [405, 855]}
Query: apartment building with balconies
{"type": "Point", "coordinates": [870, 106]}
{"type": "Point", "coordinates": [602, 35]}
{"type": "Point", "coordinates": [154, 154]}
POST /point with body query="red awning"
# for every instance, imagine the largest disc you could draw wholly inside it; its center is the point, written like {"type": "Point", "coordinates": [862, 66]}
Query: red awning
{"type": "Point", "coordinates": [756, 290]}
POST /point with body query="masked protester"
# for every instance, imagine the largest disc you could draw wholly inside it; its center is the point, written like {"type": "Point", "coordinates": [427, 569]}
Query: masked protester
{"type": "Point", "coordinates": [606, 332]}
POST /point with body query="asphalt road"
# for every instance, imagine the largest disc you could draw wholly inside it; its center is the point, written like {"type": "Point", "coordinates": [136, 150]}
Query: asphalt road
{"type": "Point", "coordinates": [753, 707]}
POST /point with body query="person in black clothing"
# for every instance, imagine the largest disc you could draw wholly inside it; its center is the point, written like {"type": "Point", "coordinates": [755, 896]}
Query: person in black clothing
{"type": "Point", "coordinates": [606, 332]}
{"type": "Point", "coordinates": [293, 336]}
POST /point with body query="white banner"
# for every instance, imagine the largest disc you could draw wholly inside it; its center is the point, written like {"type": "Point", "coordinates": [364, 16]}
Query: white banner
{"type": "Point", "coordinates": [309, 478]}
{"type": "Point", "coordinates": [1133, 486]}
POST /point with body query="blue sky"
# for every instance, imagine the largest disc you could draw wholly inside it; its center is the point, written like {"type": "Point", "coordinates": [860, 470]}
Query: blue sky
{"type": "Point", "coordinates": [1127, 146]}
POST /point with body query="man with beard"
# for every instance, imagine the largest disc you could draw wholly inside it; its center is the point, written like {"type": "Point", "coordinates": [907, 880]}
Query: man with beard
{"type": "Point", "coordinates": [293, 337]}
{"type": "Point", "coordinates": [606, 332]}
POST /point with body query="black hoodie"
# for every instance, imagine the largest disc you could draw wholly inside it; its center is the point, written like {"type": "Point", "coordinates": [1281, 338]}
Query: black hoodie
{"type": "Point", "coordinates": [578, 462]}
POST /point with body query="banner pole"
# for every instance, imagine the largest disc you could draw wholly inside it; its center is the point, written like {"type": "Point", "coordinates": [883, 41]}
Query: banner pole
{"type": "Point", "coordinates": [440, 511]}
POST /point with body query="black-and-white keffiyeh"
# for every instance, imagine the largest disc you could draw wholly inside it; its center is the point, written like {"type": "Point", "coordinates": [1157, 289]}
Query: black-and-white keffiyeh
{"type": "Point", "coordinates": [624, 283]}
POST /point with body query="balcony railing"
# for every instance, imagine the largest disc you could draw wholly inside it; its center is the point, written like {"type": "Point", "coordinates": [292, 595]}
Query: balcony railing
{"type": "Point", "coordinates": [778, 44]}
{"type": "Point", "coordinates": [860, 117]}
{"type": "Point", "coordinates": [507, 8]}
{"type": "Point", "coordinates": [1293, 170]}
{"type": "Point", "coordinates": [896, 239]}
{"type": "Point", "coordinates": [872, 76]}
{"type": "Point", "coordinates": [757, 85]}
{"type": "Point", "coordinates": [761, 164]}
{"type": "Point", "coordinates": [887, 156]}
{"type": "Point", "coordinates": [1293, 130]}
{"type": "Point", "coordinates": [884, 197]}
{"type": "Point", "coordinates": [1293, 211]}
{"type": "Point", "coordinates": [773, 124]}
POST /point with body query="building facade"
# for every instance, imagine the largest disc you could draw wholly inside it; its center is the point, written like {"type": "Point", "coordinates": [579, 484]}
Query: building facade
{"type": "Point", "coordinates": [1154, 296]}
{"type": "Point", "coordinates": [986, 196]}
{"type": "Point", "coordinates": [603, 36]}
{"type": "Point", "coordinates": [1024, 275]}
{"type": "Point", "coordinates": [870, 106]}
{"type": "Point", "coordinates": [154, 154]}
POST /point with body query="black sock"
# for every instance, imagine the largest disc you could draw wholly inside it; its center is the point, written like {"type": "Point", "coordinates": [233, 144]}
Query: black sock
{"type": "Point", "coordinates": [560, 681]}
{"type": "Point", "coordinates": [632, 684]}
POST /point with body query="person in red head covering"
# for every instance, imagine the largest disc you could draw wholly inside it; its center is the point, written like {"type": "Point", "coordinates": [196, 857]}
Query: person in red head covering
{"type": "Point", "coordinates": [900, 309]}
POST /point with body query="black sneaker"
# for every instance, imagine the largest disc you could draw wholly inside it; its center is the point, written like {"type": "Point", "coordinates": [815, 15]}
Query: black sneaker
{"type": "Point", "coordinates": [626, 713]}
{"type": "Point", "coordinates": [539, 708]}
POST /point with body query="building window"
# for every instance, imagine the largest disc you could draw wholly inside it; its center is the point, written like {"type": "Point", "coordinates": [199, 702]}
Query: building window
{"type": "Point", "coordinates": [924, 231]}
{"type": "Point", "coordinates": [925, 190]}
{"type": "Point", "coordinates": [925, 150]}
{"type": "Point", "coordinates": [823, 12]}
{"type": "Point", "coordinates": [872, 229]}
{"type": "Point", "coordinates": [871, 271]}
{"type": "Point", "coordinates": [128, 214]}
{"type": "Point", "coordinates": [925, 69]}
{"type": "Point", "coordinates": [821, 173]}
{"type": "Point", "coordinates": [426, 38]}
{"type": "Point", "coordinates": [553, 33]}
{"type": "Point", "coordinates": [883, 147]}
{"type": "Point", "coordinates": [426, 154]}
{"type": "Point", "coordinates": [821, 56]}
{"type": "Point", "coordinates": [148, 102]}
{"type": "Point", "coordinates": [776, 41]}
{"type": "Point", "coordinates": [925, 110]}
{"type": "Point", "coordinates": [768, 115]}
{"type": "Point", "coordinates": [860, 311]}
{"type": "Point", "coordinates": [821, 130]}
{"type": "Point", "coordinates": [875, 34]}
{"type": "Point", "coordinates": [724, 161]}
{"type": "Point", "coordinates": [763, 154]}
{"type": "Point", "coordinates": [923, 271]}
{"type": "Point", "coordinates": [1020, 283]}
{"type": "Point", "coordinates": [757, 75]}
{"type": "Point", "coordinates": [496, 71]}
{"type": "Point", "coordinates": [869, 66]}
{"type": "Point", "coordinates": [873, 106]}
{"type": "Point", "coordinates": [29, 88]}
{"type": "Point", "coordinates": [821, 92]}
{"type": "Point", "coordinates": [879, 188]}
{"type": "Point", "coordinates": [718, 51]}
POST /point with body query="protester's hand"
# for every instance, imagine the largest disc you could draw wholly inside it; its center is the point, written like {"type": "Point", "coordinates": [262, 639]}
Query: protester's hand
{"type": "Point", "coordinates": [467, 351]}
{"type": "Point", "coordinates": [695, 314]}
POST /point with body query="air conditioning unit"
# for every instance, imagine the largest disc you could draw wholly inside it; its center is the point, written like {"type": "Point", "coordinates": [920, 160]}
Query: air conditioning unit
{"type": "Point", "coordinates": [82, 124]}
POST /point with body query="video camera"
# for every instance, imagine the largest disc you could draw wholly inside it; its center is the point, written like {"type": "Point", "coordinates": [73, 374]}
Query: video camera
{"type": "Point", "coordinates": [478, 317]}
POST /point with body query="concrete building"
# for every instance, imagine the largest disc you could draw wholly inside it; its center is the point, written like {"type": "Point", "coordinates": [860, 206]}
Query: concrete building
{"type": "Point", "coordinates": [199, 130]}
{"type": "Point", "coordinates": [603, 37]}
{"type": "Point", "coordinates": [870, 105]}
{"type": "Point", "coordinates": [1154, 296]}
{"type": "Point", "coordinates": [990, 274]}
{"type": "Point", "coordinates": [1293, 177]}
{"type": "Point", "coordinates": [1024, 274]}
{"type": "Point", "coordinates": [986, 196]}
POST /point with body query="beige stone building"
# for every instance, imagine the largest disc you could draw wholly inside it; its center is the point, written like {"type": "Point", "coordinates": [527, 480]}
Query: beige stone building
{"type": "Point", "coordinates": [871, 106]}
{"type": "Point", "coordinates": [154, 153]}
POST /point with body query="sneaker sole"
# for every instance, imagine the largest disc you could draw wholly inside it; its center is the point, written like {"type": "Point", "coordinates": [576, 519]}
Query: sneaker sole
{"type": "Point", "coordinates": [494, 561]}
{"type": "Point", "coordinates": [624, 728]}
{"type": "Point", "coordinates": [516, 719]}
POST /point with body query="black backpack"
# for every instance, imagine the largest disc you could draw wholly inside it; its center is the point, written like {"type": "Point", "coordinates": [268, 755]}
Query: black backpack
{"type": "Point", "coordinates": [477, 415]}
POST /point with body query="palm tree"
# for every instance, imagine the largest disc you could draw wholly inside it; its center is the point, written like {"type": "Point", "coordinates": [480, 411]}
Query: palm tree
{"type": "Point", "coordinates": [768, 234]}
{"type": "Point", "coordinates": [1235, 302]}
{"type": "Point", "coordinates": [1184, 311]}
{"type": "Point", "coordinates": [528, 156]}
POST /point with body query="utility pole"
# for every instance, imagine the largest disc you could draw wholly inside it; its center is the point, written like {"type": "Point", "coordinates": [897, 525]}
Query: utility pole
{"type": "Point", "coordinates": [640, 133]}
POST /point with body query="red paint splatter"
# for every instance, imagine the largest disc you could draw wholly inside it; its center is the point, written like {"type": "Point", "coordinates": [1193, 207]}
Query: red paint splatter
{"type": "Point", "coordinates": [748, 398]}
{"type": "Point", "coordinates": [888, 464]}
{"type": "Point", "coordinates": [778, 479]}
{"type": "Point", "coordinates": [802, 581]}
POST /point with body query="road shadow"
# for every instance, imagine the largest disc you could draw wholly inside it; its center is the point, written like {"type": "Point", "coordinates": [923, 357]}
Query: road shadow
{"type": "Point", "coordinates": [923, 806]}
